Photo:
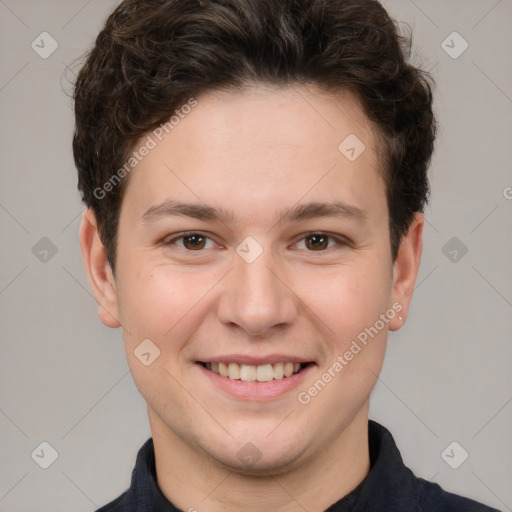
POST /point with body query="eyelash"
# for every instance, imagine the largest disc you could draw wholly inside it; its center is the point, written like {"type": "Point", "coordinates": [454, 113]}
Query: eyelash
{"type": "Point", "coordinates": [340, 242]}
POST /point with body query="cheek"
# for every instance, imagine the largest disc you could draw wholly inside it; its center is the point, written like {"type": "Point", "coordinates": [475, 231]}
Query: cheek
{"type": "Point", "coordinates": [350, 298]}
{"type": "Point", "coordinates": [158, 302]}
{"type": "Point", "coordinates": [350, 302]}
{"type": "Point", "coordinates": [161, 304]}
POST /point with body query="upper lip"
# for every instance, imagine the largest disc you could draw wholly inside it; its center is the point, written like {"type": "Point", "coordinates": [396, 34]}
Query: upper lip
{"type": "Point", "coordinates": [255, 360]}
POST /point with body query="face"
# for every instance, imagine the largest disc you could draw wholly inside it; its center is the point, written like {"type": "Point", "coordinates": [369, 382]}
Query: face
{"type": "Point", "coordinates": [254, 254]}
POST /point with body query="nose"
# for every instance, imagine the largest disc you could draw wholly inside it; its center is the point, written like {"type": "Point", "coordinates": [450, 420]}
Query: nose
{"type": "Point", "coordinates": [256, 297]}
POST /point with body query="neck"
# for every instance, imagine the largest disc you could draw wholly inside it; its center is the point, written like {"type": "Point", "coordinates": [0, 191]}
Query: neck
{"type": "Point", "coordinates": [190, 479]}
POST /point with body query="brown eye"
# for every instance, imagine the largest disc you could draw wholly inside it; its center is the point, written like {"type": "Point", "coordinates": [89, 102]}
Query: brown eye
{"type": "Point", "coordinates": [317, 242]}
{"type": "Point", "coordinates": [190, 242]}
{"type": "Point", "coordinates": [194, 242]}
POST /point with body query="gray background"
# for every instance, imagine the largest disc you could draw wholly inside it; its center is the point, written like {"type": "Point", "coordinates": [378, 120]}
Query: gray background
{"type": "Point", "coordinates": [64, 377]}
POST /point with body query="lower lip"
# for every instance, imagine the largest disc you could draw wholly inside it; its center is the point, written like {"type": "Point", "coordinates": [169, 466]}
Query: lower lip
{"type": "Point", "coordinates": [254, 390]}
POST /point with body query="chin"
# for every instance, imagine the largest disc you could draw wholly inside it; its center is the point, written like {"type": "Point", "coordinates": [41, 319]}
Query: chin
{"type": "Point", "coordinates": [268, 460]}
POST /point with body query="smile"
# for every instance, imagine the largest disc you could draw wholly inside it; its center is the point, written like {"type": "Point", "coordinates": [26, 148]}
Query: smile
{"type": "Point", "coordinates": [258, 373]}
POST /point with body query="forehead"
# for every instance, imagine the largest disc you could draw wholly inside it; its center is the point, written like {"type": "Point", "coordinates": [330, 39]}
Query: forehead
{"type": "Point", "coordinates": [260, 146]}
{"type": "Point", "coordinates": [299, 120]}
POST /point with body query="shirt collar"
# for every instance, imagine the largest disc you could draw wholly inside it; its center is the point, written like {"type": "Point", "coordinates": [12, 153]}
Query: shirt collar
{"type": "Point", "coordinates": [389, 485]}
{"type": "Point", "coordinates": [389, 480]}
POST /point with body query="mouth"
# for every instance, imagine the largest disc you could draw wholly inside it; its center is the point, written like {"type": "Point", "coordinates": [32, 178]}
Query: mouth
{"type": "Point", "coordinates": [252, 378]}
{"type": "Point", "coordinates": [255, 373]}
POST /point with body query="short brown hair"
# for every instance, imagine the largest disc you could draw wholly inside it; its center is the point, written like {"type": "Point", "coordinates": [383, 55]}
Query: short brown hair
{"type": "Point", "coordinates": [154, 55]}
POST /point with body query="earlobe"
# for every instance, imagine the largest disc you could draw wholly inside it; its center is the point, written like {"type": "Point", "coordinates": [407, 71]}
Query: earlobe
{"type": "Point", "coordinates": [405, 269]}
{"type": "Point", "coordinates": [98, 270]}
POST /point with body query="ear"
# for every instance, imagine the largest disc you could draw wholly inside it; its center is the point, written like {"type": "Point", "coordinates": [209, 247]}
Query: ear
{"type": "Point", "coordinates": [98, 270]}
{"type": "Point", "coordinates": [405, 269]}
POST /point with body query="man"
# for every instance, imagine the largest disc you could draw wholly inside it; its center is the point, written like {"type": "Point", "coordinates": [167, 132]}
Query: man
{"type": "Point", "coordinates": [255, 176]}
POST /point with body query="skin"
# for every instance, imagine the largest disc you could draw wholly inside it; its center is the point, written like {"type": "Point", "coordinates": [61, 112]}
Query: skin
{"type": "Point", "coordinates": [255, 153]}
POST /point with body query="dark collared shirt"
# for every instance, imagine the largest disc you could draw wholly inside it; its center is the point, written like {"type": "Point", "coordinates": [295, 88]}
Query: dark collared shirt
{"type": "Point", "coordinates": [389, 486]}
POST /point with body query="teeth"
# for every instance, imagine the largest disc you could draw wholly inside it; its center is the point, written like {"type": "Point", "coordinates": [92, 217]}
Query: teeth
{"type": "Point", "coordinates": [288, 369]}
{"type": "Point", "coordinates": [278, 370]}
{"type": "Point", "coordinates": [264, 373]}
{"type": "Point", "coordinates": [223, 370]}
{"type": "Point", "coordinates": [233, 371]}
{"type": "Point", "coordinates": [249, 373]}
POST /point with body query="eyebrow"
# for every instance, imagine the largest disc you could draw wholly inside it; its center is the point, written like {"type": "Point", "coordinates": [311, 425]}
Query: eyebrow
{"type": "Point", "coordinates": [337, 210]}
